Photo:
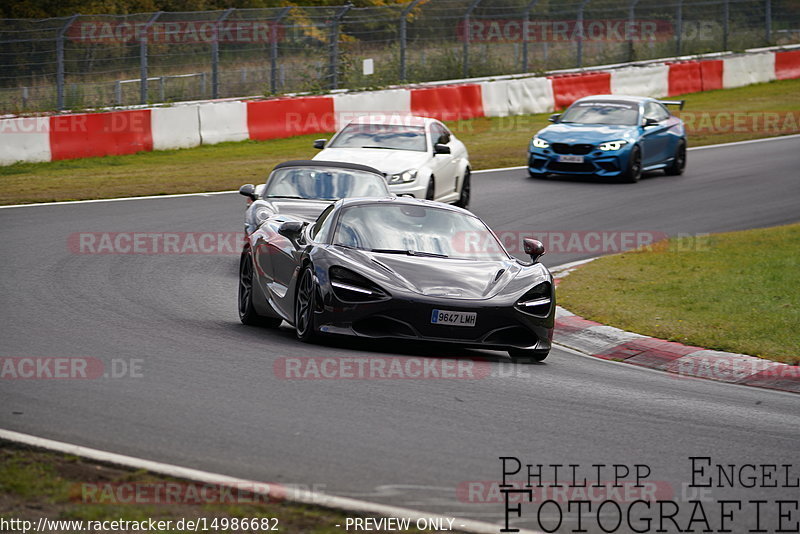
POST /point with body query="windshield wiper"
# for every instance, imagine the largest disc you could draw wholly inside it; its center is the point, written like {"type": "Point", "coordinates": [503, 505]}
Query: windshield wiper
{"type": "Point", "coordinates": [286, 196]}
{"type": "Point", "coordinates": [408, 252]}
{"type": "Point", "coordinates": [383, 147]}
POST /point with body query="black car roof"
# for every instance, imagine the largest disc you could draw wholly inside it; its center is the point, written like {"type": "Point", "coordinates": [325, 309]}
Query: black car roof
{"type": "Point", "coordinates": [358, 201]}
{"type": "Point", "coordinates": [320, 163]}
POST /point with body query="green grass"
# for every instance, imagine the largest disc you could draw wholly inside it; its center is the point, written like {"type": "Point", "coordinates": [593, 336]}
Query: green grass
{"type": "Point", "coordinates": [737, 292]}
{"type": "Point", "coordinates": [492, 142]}
{"type": "Point", "coordinates": [36, 483]}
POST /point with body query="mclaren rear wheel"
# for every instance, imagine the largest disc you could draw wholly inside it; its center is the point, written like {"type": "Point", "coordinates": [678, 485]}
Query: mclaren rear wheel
{"type": "Point", "coordinates": [247, 313]}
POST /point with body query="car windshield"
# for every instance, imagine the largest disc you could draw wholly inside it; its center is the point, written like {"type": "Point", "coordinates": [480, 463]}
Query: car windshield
{"type": "Point", "coordinates": [613, 113]}
{"type": "Point", "coordinates": [417, 230]}
{"type": "Point", "coordinates": [381, 136]}
{"type": "Point", "coordinates": [324, 183]}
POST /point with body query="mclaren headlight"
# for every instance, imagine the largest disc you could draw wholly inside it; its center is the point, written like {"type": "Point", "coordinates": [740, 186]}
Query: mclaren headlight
{"type": "Point", "coordinates": [537, 301]}
{"type": "Point", "coordinates": [538, 142]}
{"type": "Point", "coordinates": [403, 177]}
{"type": "Point", "coordinates": [612, 145]}
{"type": "Point", "coordinates": [349, 286]}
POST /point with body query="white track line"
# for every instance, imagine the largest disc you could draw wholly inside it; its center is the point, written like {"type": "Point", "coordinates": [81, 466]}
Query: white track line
{"type": "Point", "coordinates": [287, 493]}
{"type": "Point", "coordinates": [153, 197]}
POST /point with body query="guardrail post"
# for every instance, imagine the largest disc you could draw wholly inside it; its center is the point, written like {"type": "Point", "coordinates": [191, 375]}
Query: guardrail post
{"type": "Point", "coordinates": [726, 13]}
{"type": "Point", "coordinates": [631, 20]}
{"type": "Point", "coordinates": [273, 49]}
{"type": "Point", "coordinates": [60, 62]}
{"type": "Point", "coordinates": [215, 53]}
{"type": "Point", "coordinates": [525, 24]}
{"type": "Point", "coordinates": [579, 28]}
{"type": "Point", "coordinates": [678, 27]}
{"type": "Point", "coordinates": [143, 58]}
{"type": "Point", "coordinates": [468, 36]}
{"type": "Point", "coordinates": [334, 59]}
{"type": "Point", "coordinates": [768, 21]}
{"type": "Point", "coordinates": [404, 37]}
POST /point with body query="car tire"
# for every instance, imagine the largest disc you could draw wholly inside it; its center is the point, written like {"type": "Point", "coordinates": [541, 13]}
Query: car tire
{"type": "Point", "coordinates": [678, 164]}
{"type": "Point", "coordinates": [247, 313]}
{"type": "Point", "coordinates": [431, 191]}
{"type": "Point", "coordinates": [305, 300]}
{"type": "Point", "coordinates": [634, 171]}
{"type": "Point", "coordinates": [527, 355]}
{"type": "Point", "coordinates": [463, 199]}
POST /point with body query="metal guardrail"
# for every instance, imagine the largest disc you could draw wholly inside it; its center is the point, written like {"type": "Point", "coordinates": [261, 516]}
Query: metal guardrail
{"type": "Point", "coordinates": [92, 60]}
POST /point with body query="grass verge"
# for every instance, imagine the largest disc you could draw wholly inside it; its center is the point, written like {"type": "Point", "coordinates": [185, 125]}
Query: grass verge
{"type": "Point", "coordinates": [736, 292]}
{"type": "Point", "coordinates": [36, 483]}
{"type": "Point", "coordinates": [492, 142]}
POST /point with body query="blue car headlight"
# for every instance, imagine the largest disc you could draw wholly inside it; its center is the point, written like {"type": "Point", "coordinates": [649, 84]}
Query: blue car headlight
{"type": "Point", "coordinates": [609, 146]}
{"type": "Point", "coordinates": [538, 142]}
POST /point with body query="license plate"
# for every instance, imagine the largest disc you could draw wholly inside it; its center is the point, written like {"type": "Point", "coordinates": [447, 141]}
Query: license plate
{"type": "Point", "coordinates": [570, 159]}
{"type": "Point", "coordinates": [454, 318]}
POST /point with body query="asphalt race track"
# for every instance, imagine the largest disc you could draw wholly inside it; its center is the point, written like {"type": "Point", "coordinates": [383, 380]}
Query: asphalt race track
{"type": "Point", "coordinates": [208, 397]}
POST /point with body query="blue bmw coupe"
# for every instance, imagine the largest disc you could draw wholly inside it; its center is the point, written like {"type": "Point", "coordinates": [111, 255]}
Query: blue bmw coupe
{"type": "Point", "coordinates": [610, 136]}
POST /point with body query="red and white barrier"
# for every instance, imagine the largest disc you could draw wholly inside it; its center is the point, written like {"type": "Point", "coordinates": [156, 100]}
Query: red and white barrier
{"type": "Point", "coordinates": [652, 81]}
{"type": "Point", "coordinates": [87, 135]}
{"type": "Point", "coordinates": [182, 126]}
{"type": "Point", "coordinates": [568, 88]}
{"type": "Point", "coordinates": [223, 121]}
{"type": "Point", "coordinates": [24, 139]}
{"type": "Point", "coordinates": [787, 65]}
{"type": "Point", "coordinates": [347, 107]}
{"type": "Point", "coordinates": [175, 127]}
{"type": "Point", "coordinates": [748, 69]}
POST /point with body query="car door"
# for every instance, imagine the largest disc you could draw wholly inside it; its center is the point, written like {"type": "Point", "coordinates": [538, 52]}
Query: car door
{"type": "Point", "coordinates": [443, 165]}
{"type": "Point", "coordinates": [655, 137]}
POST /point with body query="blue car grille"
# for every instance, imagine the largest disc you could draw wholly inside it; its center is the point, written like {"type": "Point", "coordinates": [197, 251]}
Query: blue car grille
{"type": "Point", "coordinates": [557, 166]}
{"type": "Point", "coordinates": [580, 149]}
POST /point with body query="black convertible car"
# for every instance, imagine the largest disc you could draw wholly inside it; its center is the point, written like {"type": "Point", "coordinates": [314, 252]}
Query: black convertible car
{"type": "Point", "coordinates": [397, 268]}
{"type": "Point", "coordinates": [303, 188]}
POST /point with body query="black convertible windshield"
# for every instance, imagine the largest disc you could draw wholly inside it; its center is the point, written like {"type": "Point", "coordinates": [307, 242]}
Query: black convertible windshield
{"type": "Point", "coordinates": [322, 183]}
{"type": "Point", "coordinates": [417, 230]}
{"type": "Point", "coordinates": [613, 113]}
{"type": "Point", "coordinates": [381, 136]}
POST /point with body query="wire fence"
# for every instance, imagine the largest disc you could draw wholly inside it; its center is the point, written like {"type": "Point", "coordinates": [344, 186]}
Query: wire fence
{"type": "Point", "coordinates": [88, 61]}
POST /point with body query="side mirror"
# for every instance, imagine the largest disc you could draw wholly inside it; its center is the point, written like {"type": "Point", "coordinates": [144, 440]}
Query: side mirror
{"type": "Point", "coordinates": [554, 117]}
{"type": "Point", "coordinates": [248, 190]}
{"type": "Point", "coordinates": [291, 229]}
{"type": "Point", "coordinates": [649, 121]}
{"type": "Point", "coordinates": [439, 148]}
{"type": "Point", "coordinates": [533, 248]}
{"type": "Point", "coordinates": [319, 144]}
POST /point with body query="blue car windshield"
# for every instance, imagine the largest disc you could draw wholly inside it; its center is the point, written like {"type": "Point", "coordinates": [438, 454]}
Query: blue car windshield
{"type": "Point", "coordinates": [612, 113]}
{"type": "Point", "coordinates": [323, 183]}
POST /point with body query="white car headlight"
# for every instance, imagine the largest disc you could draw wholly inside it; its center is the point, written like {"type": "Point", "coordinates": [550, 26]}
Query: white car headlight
{"type": "Point", "coordinates": [403, 177]}
{"type": "Point", "coordinates": [612, 145]}
{"type": "Point", "coordinates": [538, 142]}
